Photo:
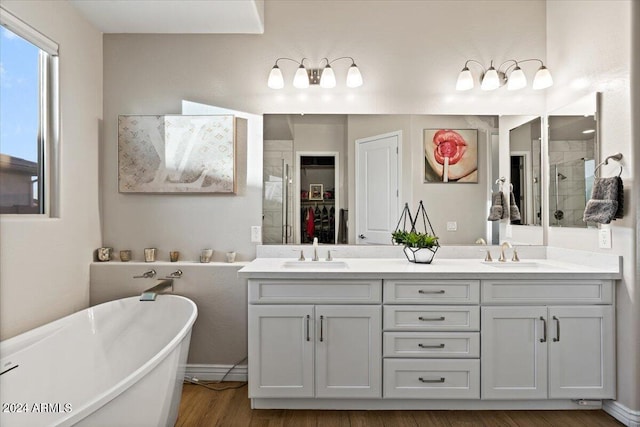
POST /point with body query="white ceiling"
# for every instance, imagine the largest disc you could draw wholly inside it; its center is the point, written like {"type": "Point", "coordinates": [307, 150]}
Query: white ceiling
{"type": "Point", "coordinates": [174, 16]}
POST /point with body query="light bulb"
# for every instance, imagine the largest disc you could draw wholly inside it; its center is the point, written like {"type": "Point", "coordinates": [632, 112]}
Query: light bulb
{"type": "Point", "coordinates": [301, 78]}
{"type": "Point", "coordinates": [490, 81]}
{"type": "Point", "coordinates": [517, 79]}
{"type": "Point", "coordinates": [328, 78]}
{"type": "Point", "coordinates": [354, 78]}
{"type": "Point", "coordinates": [542, 79]}
{"type": "Point", "coordinates": [275, 78]}
{"type": "Point", "coordinates": [465, 80]}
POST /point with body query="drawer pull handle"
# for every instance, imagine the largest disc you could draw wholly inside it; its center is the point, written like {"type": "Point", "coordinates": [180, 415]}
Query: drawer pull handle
{"type": "Point", "coordinates": [422, 291]}
{"type": "Point", "coordinates": [440, 380]}
{"type": "Point", "coordinates": [430, 346]}
{"type": "Point", "coordinates": [431, 319]}
{"type": "Point", "coordinates": [544, 329]}
{"type": "Point", "coordinates": [557, 338]}
{"type": "Point", "coordinates": [321, 329]}
{"type": "Point", "coordinates": [308, 321]}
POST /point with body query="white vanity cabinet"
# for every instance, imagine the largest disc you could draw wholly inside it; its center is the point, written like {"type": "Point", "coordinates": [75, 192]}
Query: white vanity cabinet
{"type": "Point", "coordinates": [461, 334]}
{"type": "Point", "coordinates": [317, 349]}
{"type": "Point", "coordinates": [548, 351]}
{"type": "Point", "coordinates": [431, 339]}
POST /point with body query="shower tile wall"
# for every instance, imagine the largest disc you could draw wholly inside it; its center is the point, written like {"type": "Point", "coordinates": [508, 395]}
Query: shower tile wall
{"type": "Point", "coordinates": [567, 158]}
{"type": "Point", "coordinates": [274, 153]}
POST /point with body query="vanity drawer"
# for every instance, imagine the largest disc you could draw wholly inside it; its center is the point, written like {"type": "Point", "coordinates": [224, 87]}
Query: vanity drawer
{"type": "Point", "coordinates": [315, 291]}
{"type": "Point", "coordinates": [547, 292]}
{"type": "Point", "coordinates": [432, 379]}
{"type": "Point", "coordinates": [432, 291]}
{"type": "Point", "coordinates": [432, 344]}
{"type": "Point", "coordinates": [431, 318]}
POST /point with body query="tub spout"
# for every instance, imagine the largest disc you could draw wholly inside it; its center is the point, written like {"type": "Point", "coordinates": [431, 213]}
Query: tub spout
{"type": "Point", "coordinates": [162, 286]}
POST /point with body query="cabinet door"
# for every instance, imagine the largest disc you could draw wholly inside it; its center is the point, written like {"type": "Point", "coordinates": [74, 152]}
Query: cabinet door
{"type": "Point", "coordinates": [514, 353]}
{"type": "Point", "coordinates": [348, 351]}
{"type": "Point", "coordinates": [581, 352]}
{"type": "Point", "coordinates": [280, 351]}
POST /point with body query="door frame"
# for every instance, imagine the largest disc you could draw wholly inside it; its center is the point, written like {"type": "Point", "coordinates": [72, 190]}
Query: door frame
{"type": "Point", "coordinates": [296, 197]}
{"type": "Point", "coordinates": [527, 214]}
{"type": "Point", "coordinates": [398, 134]}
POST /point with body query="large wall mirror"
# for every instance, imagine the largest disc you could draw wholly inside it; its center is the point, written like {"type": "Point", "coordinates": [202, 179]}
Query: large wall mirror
{"type": "Point", "coordinates": [573, 154]}
{"type": "Point", "coordinates": [520, 167]}
{"type": "Point", "coordinates": [310, 179]}
{"type": "Point", "coordinates": [525, 148]}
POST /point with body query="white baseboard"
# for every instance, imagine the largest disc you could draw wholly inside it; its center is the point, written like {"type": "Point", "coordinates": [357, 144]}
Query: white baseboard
{"type": "Point", "coordinates": [626, 416]}
{"type": "Point", "coordinates": [216, 372]}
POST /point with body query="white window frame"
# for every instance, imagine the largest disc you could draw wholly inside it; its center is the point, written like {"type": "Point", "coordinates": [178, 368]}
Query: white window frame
{"type": "Point", "coordinates": [49, 131]}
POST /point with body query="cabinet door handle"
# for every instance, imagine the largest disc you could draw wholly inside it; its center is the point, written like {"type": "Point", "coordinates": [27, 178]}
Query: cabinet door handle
{"type": "Point", "coordinates": [440, 380]}
{"type": "Point", "coordinates": [557, 338]}
{"type": "Point", "coordinates": [430, 346]}
{"type": "Point", "coordinates": [422, 291]}
{"type": "Point", "coordinates": [308, 321]}
{"type": "Point", "coordinates": [321, 329]}
{"type": "Point", "coordinates": [544, 329]}
{"type": "Point", "coordinates": [428, 319]}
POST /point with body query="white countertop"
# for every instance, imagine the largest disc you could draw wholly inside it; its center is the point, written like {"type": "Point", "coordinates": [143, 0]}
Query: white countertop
{"type": "Point", "coordinates": [440, 268]}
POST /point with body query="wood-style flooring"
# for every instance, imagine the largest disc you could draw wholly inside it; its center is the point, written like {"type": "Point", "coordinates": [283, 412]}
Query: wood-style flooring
{"type": "Point", "coordinates": [231, 408]}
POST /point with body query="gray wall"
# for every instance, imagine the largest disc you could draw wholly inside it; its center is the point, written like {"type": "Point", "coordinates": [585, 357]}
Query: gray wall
{"type": "Point", "coordinates": [578, 32]}
{"type": "Point", "coordinates": [220, 332]}
{"type": "Point", "coordinates": [44, 267]}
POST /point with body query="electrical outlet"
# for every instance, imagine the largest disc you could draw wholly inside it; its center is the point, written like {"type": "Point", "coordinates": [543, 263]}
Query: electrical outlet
{"type": "Point", "coordinates": [604, 238]}
{"type": "Point", "coordinates": [256, 234]}
{"type": "Point", "coordinates": [508, 231]}
{"type": "Point", "coordinates": [452, 226]}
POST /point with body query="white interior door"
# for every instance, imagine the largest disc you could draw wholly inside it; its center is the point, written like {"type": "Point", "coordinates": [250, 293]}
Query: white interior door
{"type": "Point", "coordinates": [377, 192]}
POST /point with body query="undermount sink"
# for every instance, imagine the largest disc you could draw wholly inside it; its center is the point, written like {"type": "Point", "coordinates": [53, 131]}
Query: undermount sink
{"type": "Point", "coordinates": [314, 265]}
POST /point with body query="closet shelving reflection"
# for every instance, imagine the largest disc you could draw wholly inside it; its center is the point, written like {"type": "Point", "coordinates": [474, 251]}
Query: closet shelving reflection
{"type": "Point", "coordinates": [317, 211]}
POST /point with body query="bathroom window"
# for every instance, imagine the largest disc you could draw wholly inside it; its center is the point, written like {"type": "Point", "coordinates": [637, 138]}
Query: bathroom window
{"type": "Point", "coordinates": [28, 118]}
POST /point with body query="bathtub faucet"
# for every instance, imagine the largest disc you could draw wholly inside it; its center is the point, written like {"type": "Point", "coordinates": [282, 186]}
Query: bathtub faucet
{"type": "Point", "coordinates": [162, 286]}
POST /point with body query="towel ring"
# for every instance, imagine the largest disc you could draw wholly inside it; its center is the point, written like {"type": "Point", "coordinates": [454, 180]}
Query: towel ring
{"type": "Point", "coordinates": [617, 157]}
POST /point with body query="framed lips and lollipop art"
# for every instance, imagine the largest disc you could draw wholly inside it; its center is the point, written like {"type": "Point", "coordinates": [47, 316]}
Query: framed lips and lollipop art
{"type": "Point", "coordinates": [451, 155]}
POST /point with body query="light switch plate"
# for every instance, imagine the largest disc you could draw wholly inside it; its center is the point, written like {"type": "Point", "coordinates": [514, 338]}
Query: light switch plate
{"type": "Point", "coordinates": [452, 226]}
{"type": "Point", "coordinates": [604, 238]}
{"type": "Point", "coordinates": [508, 231]}
{"type": "Point", "coordinates": [256, 234]}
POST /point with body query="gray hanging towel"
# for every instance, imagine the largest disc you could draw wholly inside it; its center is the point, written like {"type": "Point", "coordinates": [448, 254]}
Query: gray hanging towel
{"type": "Point", "coordinates": [514, 211]}
{"type": "Point", "coordinates": [606, 203]}
{"type": "Point", "coordinates": [496, 211]}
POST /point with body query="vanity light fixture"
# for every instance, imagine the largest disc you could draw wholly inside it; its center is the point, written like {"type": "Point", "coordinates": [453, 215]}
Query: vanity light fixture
{"type": "Point", "coordinates": [325, 76]}
{"type": "Point", "coordinates": [508, 72]}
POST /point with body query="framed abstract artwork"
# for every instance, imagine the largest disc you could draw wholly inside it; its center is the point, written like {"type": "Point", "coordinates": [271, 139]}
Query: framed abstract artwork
{"type": "Point", "coordinates": [450, 155]}
{"type": "Point", "coordinates": [176, 154]}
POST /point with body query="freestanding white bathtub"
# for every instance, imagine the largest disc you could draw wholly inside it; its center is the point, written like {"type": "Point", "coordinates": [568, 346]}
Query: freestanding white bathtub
{"type": "Point", "coordinates": [120, 363]}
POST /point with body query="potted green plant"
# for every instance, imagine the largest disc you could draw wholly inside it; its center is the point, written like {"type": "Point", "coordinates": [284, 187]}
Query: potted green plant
{"type": "Point", "coordinates": [419, 247]}
{"type": "Point", "coordinates": [414, 242]}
